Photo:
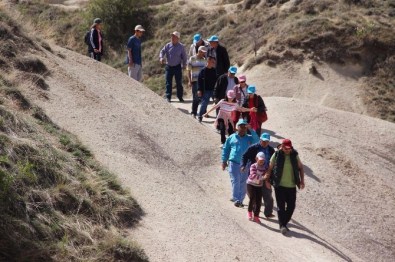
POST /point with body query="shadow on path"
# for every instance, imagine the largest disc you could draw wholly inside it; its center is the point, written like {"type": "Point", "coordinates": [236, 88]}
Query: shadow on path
{"type": "Point", "coordinates": [310, 173]}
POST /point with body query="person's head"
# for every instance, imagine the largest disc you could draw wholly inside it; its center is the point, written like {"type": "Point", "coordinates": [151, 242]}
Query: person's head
{"type": "Point", "coordinates": [211, 62]}
{"type": "Point", "coordinates": [213, 40]}
{"type": "Point", "coordinates": [260, 158]}
{"type": "Point", "coordinates": [202, 50]}
{"type": "Point", "coordinates": [286, 146]}
{"type": "Point", "coordinates": [242, 81]}
{"type": "Point", "coordinates": [241, 127]}
{"type": "Point", "coordinates": [232, 71]}
{"type": "Point", "coordinates": [96, 23]}
{"type": "Point", "coordinates": [251, 91]}
{"type": "Point", "coordinates": [175, 37]}
{"type": "Point", "coordinates": [231, 95]}
{"type": "Point", "coordinates": [138, 31]}
{"type": "Point", "coordinates": [264, 140]}
{"type": "Point", "coordinates": [197, 39]}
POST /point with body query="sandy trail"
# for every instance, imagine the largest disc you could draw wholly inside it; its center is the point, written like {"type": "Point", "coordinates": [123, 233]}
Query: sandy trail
{"type": "Point", "coordinates": [171, 164]}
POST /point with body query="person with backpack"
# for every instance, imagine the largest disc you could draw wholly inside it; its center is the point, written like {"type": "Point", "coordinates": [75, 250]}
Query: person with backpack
{"type": "Point", "coordinates": [241, 93]}
{"type": "Point", "coordinates": [285, 174]}
{"type": "Point", "coordinates": [133, 58]}
{"type": "Point", "coordinates": [234, 147]}
{"type": "Point", "coordinates": [255, 119]}
{"type": "Point", "coordinates": [249, 158]}
{"type": "Point", "coordinates": [254, 187]}
{"type": "Point", "coordinates": [95, 43]}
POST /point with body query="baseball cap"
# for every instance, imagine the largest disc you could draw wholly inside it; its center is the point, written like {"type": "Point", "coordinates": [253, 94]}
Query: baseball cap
{"type": "Point", "coordinates": [241, 122]}
{"type": "Point", "coordinates": [213, 38]}
{"type": "Point", "coordinates": [176, 34]}
{"type": "Point", "coordinates": [265, 137]}
{"type": "Point", "coordinates": [139, 28]}
{"type": "Point", "coordinates": [233, 70]}
{"type": "Point", "coordinates": [202, 48]}
{"type": "Point", "coordinates": [231, 94]}
{"type": "Point", "coordinates": [242, 78]}
{"type": "Point", "coordinates": [196, 38]}
{"type": "Point", "coordinates": [97, 21]}
{"type": "Point", "coordinates": [261, 156]}
{"type": "Point", "coordinates": [251, 90]}
{"type": "Point", "coordinates": [287, 143]}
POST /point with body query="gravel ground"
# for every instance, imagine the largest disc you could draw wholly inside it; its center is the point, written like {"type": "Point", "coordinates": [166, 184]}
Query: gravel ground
{"type": "Point", "coordinates": [171, 164]}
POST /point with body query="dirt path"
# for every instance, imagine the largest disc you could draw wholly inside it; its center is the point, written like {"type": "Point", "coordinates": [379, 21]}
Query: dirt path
{"type": "Point", "coordinates": [171, 164]}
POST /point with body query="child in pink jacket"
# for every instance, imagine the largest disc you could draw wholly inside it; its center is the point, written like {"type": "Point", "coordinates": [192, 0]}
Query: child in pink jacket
{"type": "Point", "coordinates": [254, 187]}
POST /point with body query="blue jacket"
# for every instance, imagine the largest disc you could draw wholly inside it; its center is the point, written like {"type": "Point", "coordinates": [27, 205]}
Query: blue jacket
{"type": "Point", "coordinates": [235, 146]}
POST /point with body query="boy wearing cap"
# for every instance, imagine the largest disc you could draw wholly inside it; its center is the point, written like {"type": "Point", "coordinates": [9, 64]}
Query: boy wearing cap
{"type": "Point", "coordinates": [285, 173]}
{"type": "Point", "coordinates": [174, 53]}
{"type": "Point", "coordinates": [220, 53]}
{"type": "Point", "coordinates": [195, 64]}
{"type": "Point", "coordinates": [233, 149]}
{"type": "Point", "coordinates": [95, 47]}
{"type": "Point", "coordinates": [225, 83]}
{"type": "Point", "coordinates": [197, 42]}
{"type": "Point", "coordinates": [134, 54]}
{"type": "Point", "coordinates": [248, 159]}
{"type": "Point", "coordinates": [255, 119]}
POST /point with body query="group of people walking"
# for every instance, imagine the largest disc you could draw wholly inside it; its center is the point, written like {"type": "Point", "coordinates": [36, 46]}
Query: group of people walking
{"type": "Point", "coordinates": [253, 164]}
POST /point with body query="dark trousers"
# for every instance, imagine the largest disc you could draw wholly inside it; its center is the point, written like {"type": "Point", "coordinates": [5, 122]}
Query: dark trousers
{"type": "Point", "coordinates": [195, 98]}
{"type": "Point", "coordinates": [267, 200]}
{"type": "Point", "coordinates": [286, 199]}
{"type": "Point", "coordinates": [255, 195]}
{"type": "Point", "coordinates": [96, 56]}
{"type": "Point", "coordinates": [175, 71]}
{"type": "Point", "coordinates": [222, 128]}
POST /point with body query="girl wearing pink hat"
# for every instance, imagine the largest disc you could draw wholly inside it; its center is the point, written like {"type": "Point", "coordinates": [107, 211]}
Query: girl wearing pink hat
{"type": "Point", "coordinates": [223, 120]}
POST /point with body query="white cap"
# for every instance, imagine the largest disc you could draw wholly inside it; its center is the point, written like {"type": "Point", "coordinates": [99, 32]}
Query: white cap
{"type": "Point", "coordinates": [139, 28]}
{"type": "Point", "coordinates": [176, 34]}
{"type": "Point", "coordinates": [203, 49]}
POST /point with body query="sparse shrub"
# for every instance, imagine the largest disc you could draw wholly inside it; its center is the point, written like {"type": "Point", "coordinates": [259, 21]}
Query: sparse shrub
{"type": "Point", "coordinates": [31, 64]}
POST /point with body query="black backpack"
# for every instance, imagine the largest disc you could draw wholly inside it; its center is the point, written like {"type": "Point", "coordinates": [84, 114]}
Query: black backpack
{"type": "Point", "coordinates": [87, 37]}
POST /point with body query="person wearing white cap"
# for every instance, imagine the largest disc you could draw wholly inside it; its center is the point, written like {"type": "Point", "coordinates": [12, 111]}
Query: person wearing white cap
{"type": "Point", "coordinates": [197, 42]}
{"type": "Point", "coordinates": [220, 53]}
{"type": "Point", "coordinates": [176, 57]}
{"type": "Point", "coordinates": [195, 64]}
{"type": "Point", "coordinates": [133, 58]}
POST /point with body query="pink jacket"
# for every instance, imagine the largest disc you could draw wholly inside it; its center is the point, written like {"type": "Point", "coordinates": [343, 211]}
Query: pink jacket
{"type": "Point", "coordinates": [256, 175]}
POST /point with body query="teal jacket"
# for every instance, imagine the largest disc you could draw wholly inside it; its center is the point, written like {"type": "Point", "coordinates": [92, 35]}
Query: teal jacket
{"type": "Point", "coordinates": [235, 146]}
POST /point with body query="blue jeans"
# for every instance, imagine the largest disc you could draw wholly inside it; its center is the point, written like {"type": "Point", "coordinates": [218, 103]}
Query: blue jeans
{"type": "Point", "coordinates": [196, 99]}
{"type": "Point", "coordinates": [238, 180]}
{"type": "Point", "coordinates": [205, 100]}
{"type": "Point", "coordinates": [175, 71]}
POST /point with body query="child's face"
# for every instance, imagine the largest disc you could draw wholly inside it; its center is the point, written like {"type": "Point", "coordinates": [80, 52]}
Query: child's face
{"type": "Point", "coordinates": [260, 162]}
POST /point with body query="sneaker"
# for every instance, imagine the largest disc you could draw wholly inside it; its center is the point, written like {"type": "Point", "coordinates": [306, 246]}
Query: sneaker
{"type": "Point", "coordinates": [168, 100]}
{"type": "Point", "coordinates": [269, 216]}
{"type": "Point", "coordinates": [200, 119]}
{"type": "Point", "coordinates": [193, 115]}
{"type": "Point", "coordinates": [238, 204]}
{"type": "Point", "coordinates": [283, 230]}
{"type": "Point", "coordinates": [181, 100]}
{"type": "Point", "coordinates": [257, 220]}
{"type": "Point", "coordinates": [287, 228]}
{"type": "Point", "coordinates": [249, 215]}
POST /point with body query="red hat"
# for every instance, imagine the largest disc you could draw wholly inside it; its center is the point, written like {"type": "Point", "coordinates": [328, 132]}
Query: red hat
{"type": "Point", "coordinates": [287, 143]}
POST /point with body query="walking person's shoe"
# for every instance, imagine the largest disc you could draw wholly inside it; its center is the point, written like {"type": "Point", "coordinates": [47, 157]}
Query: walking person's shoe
{"type": "Point", "coordinates": [168, 100]}
{"type": "Point", "coordinates": [200, 119]}
{"type": "Point", "coordinates": [193, 115]}
{"type": "Point", "coordinates": [257, 220]}
{"type": "Point", "coordinates": [270, 216]}
{"type": "Point", "coordinates": [287, 228]}
{"type": "Point", "coordinates": [239, 204]}
{"type": "Point", "coordinates": [249, 215]}
{"type": "Point", "coordinates": [283, 230]}
{"type": "Point", "coordinates": [181, 99]}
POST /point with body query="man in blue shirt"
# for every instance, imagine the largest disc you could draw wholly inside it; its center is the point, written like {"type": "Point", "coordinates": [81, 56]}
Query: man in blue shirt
{"type": "Point", "coordinates": [232, 151]}
{"type": "Point", "coordinates": [174, 53]}
{"type": "Point", "coordinates": [134, 54]}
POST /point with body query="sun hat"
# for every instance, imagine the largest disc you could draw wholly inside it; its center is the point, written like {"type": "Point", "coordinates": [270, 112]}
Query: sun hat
{"type": "Point", "coordinates": [139, 28]}
{"type": "Point", "coordinates": [286, 143]}
{"type": "Point", "coordinates": [261, 156]}
{"type": "Point", "coordinates": [213, 38]}
{"type": "Point", "coordinates": [175, 33]}
{"type": "Point", "coordinates": [251, 90]}
{"type": "Point", "coordinates": [233, 70]}
{"type": "Point", "coordinates": [97, 21]}
{"type": "Point", "coordinates": [203, 49]}
{"type": "Point", "coordinates": [196, 38]}
{"type": "Point", "coordinates": [241, 122]}
{"type": "Point", "coordinates": [231, 94]}
{"type": "Point", "coordinates": [242, 78]}
{"type": "Point", "coordinates": [265, 137]}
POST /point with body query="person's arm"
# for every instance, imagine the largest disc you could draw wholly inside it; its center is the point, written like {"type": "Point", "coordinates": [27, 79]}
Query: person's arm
{"type": "Point", "coordinates": [213, 108]}
{"type": "Point", "coordinates": [225, 58]}
{"type": "Point", "coordinates": [183, 56]}
{"type": "Point", "coordinates": [130, 53]}
{"type": "Point", "coordinates": [189, 72]}
{"type": "Point", "coordinates": [301, 173]}
{"type": "Point", "coordinates": [243, 109]}
{"type": "Point", "coordinates": [261, 105]}
{"type": "Point", "coordinates": [94, 40]}
{"type": "Point", "coordinates": [246, 157]}
{"type": "Point", "coordinates": [216, 89]}
{"type": "Point", "coordinates": [225, 153]}
{"type": "Point", "coordinates": [162, 55]}
{"type": "Point", "coordinates": [268, 172]}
